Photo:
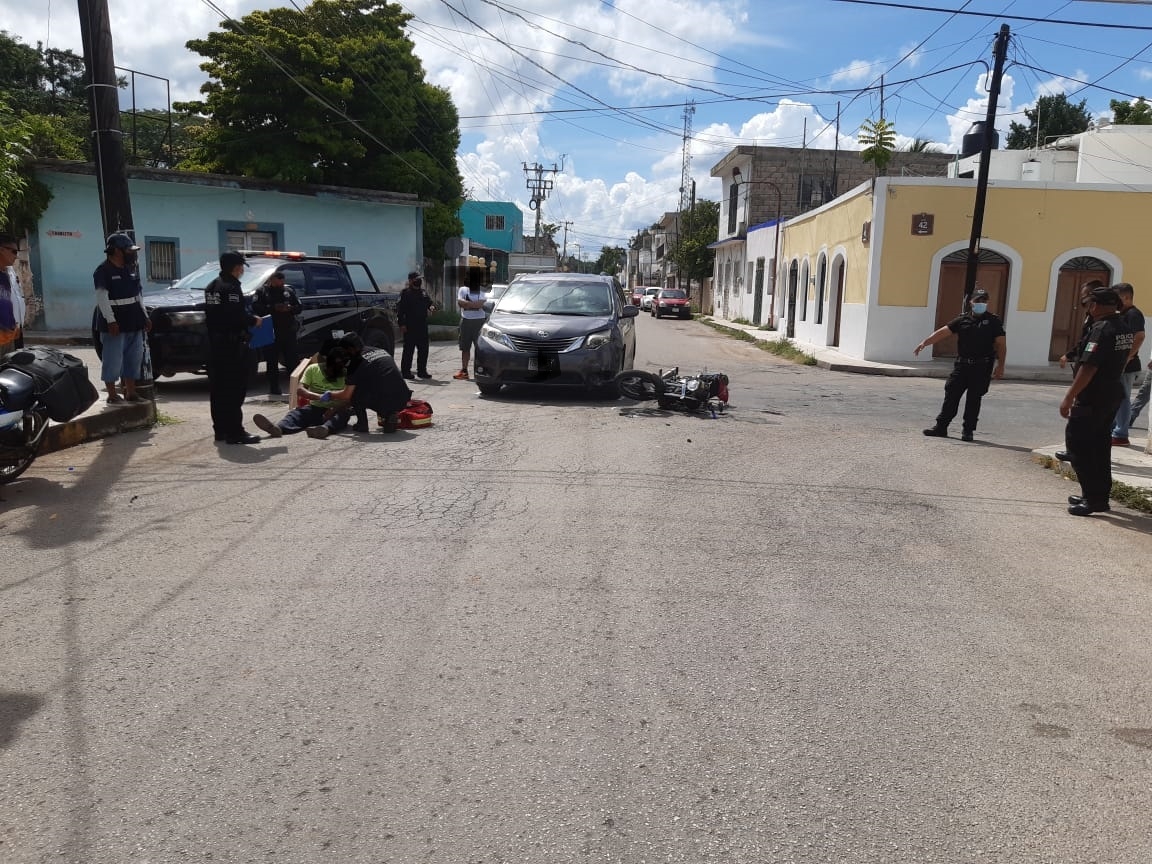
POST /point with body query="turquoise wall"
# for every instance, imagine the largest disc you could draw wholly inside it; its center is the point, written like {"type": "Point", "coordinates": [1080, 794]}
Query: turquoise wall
{"type": "Point", "coordinates": [69, 242]}
{"type": "Point", "coordinates": [473, 213]}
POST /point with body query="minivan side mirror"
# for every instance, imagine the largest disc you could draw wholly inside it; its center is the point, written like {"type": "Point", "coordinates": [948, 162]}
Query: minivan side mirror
{"type": "Point", "coordinates": [630, 311]}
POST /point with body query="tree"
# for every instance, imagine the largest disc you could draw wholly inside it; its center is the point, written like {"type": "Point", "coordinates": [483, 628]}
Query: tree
{"type": "Point", "coordinates": [922, 145]}
{"type": "Point", "coordinates": [879, 140]}
{"type": "Point", "coordinates": [1138, 113]}
{"type": "Point", "coordinates": [699, 227]}
{"type": "Point", "coordinates": [611, 260]}
{"type": "Point", "coordinates": [1053, 117]}
{"type": "Point", "coordinates": [331, 93]}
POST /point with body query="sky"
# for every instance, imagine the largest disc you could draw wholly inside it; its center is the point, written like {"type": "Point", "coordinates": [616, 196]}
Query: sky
{"type": "Point", "coordinates": [599, 89]}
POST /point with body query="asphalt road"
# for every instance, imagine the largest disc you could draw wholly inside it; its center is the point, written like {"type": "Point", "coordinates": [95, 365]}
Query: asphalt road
{"type": "Point", "coordinates": [555, 629]}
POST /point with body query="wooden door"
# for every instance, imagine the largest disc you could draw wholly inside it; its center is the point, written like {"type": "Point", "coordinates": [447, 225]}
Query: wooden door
{"type": "Point", "coordinates": [1067, 314]}
{"type": "Point", "coordinates": [991, 276]}
{"type": "Point", "coordinates": [838, 303]}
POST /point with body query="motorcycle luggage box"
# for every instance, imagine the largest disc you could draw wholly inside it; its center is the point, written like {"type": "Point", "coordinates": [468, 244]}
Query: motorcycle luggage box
{"type": "Point", "coordinates": [17, 390]}
{"type": "Point", "coordinates": [61, 380]}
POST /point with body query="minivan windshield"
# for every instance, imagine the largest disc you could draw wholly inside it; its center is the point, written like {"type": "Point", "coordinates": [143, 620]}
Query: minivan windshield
{"type": "Point", "coordinates": [557, 297]}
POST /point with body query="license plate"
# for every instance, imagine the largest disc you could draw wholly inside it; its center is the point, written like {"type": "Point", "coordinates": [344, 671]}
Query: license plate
{"type": "Point", "coordinates": [541, 364]}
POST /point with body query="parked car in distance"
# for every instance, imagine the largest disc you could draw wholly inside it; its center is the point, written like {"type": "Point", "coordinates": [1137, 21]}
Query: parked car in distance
{"type": "Point", "coordinates": [671, 301]}
{"type": "Point", "coordinates": [337, 297]}
{"type": "Point", "coordinates": [637, 295]}
{"type": "Point", "coordinates": [557, 329]}
{"type": "Point", "coordinates": [647, 297]}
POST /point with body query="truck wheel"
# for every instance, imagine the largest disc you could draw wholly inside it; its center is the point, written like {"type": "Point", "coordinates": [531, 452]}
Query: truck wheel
{"type": "Point", "coordinates": [488, 389]}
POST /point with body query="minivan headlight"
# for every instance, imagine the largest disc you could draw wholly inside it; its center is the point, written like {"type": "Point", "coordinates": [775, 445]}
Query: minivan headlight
{"type": "Point", "coordinates": [595, 340]}
{"type": "Point", "coordinates": [493, 334]}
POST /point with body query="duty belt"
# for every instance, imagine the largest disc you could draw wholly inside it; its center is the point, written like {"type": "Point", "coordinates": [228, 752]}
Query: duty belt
{"type": "Point", "coordinates": [974, 361]}
{"type": "Point", "coordinates": [128, 301]}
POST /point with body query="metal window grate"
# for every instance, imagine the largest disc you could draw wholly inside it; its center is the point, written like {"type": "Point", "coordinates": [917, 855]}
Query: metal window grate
{"type": "Point", "coordinates": [162, 261]}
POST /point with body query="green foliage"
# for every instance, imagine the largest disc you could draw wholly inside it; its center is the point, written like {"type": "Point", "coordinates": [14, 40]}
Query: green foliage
{"type": "Point", "coordinates": [331, 93]}
{"type": "Point", "coordinates": [1138, 113]}
{"type": "Point", "coordinates": [785, 348]}
{"type": "Point", "coordinates": [698, 229]}
{"type": "Point", "coordinates": [879, 140]}
{"type": "Point", "coordinates": [923, 145]}
{"type": "Point", "coordinates": [441, 221]}
{"type": "Point", "coordinates": [1053, 117]}
{"type": "Point", "coordinates": [611, 260]}
{"type": "Point", "coordinates": [157, 138]}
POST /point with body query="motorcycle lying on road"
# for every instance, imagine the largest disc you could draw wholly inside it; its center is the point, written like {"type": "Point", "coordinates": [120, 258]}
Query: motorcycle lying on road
{"type": "Point", "coordinates": [37, 385]}
{"type": "Point", "coordinates": [672, 390]}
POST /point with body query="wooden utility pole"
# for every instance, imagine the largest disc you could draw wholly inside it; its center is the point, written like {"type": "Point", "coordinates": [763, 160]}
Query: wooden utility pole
{"type": "Point", "coordinates": [104, 116]}
{"type": "Point", "coordinates": [999, 53]}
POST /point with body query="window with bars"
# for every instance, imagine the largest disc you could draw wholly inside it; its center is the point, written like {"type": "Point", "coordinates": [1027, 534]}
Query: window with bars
{"type": "Point", "coordinates": [162, 256]}
{"type": "Point", "coordinates": [493, 222]}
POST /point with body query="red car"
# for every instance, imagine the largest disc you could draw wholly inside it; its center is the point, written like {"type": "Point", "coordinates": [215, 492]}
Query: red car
{"type": "Point", "coordinates": [671, 301]}
{"type": "Point", "coordinates": [637, 293]}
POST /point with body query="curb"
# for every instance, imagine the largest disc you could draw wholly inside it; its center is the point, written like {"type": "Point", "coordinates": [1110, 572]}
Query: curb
{"type": "Point", "coordinates": [91, 427]}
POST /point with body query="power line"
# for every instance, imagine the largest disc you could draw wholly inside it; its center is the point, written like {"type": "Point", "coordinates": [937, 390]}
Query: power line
{"type": "Point", "coordinates": [1033, 19]}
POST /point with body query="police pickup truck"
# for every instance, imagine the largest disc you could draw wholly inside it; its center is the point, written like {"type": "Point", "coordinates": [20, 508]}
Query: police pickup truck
{"type": "Point", "coordinates": [337, 297]}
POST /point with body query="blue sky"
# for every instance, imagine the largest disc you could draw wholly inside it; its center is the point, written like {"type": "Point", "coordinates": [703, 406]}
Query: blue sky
{"type": "Point", "coordinates": [599, 87]}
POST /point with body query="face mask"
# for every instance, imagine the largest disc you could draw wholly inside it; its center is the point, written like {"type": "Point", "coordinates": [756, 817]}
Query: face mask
{"type": "Point", "coordinates": [979, 308]}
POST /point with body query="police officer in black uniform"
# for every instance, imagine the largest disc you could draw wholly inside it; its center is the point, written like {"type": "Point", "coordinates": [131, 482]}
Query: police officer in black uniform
{"type": "Point", "coordinates": [1091, 402]}
{"type": "Point", "coordinates": [227, 317]}
{"type": "Point", "coordinates": [981, 347]}
{"type": "Point", "coordinates": [277, 299]}
{"type": "Point", "coordinates": [412, 310]}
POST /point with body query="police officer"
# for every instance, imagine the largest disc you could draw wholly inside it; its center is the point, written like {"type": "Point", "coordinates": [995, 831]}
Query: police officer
{"type": "Point", "coordinates": [277, 299]}
{"type": "Point", "coordinates": [1090, 404]}
{"type": "Point", "coordinates": [412, 310]}
{"type": "Point", "coordinates": [980, 352]}
{"type": "Point", "coordinates": [227, 317]}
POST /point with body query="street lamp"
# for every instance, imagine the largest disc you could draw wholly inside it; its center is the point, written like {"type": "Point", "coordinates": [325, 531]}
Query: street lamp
{"type": "Point", "coordinates": [739, 180]}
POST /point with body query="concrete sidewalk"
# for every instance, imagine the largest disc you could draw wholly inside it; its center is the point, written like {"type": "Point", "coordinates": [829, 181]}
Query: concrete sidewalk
{"type": "Point", "coordinates": [1130, 465]}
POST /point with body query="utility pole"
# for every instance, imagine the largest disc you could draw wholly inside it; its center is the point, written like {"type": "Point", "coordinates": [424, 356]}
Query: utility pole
{"type": "Point", "coordinates": [999, 53]}
{"type": "Point", "coordinates": [539, 187]}
{"type": "Point", "coordinates": [685, 181]}
{"type": "Point", "coordinates": [566, 225]}
{"type": "Point", "coordinates": [104, 116]}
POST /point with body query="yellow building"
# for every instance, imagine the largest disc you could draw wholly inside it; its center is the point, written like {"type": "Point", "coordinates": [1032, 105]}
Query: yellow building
{"type": "Point", "coordinates": [878, 269]}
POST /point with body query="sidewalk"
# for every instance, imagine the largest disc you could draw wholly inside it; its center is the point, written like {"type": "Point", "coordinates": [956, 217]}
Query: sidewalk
{"type": "Point", "coordinates": [1130, 465]}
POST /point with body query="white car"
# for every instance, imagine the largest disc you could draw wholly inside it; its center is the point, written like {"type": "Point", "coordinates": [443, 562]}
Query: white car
{"type": "Point", "coordinates": [649, 296]}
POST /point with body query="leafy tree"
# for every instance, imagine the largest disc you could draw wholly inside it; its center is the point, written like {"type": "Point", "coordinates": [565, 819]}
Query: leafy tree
{"type": "Point", "coordinates": [879, 140]}
{"type": "Point", "coordinates": [158, 138]}
{"type": "Point", "coordinates": [329, 93]}
{"type": "Point", "coordinates": [1053, 117]}
{"type": "Point", "coordinates": [699, 227]}
{"type": "Point", "coordinates": [1138, 113]}
{"type": "Point", "coordinates": [611, 260]}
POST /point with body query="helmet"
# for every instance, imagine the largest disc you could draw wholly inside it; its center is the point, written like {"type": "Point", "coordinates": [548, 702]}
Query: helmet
{"type": "Point", "coordinates": [231, 259]}
{"type": "Point", "coordinates": [121, 241]}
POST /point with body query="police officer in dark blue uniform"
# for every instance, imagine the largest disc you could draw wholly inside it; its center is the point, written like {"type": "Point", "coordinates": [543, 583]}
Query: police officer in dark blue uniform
{"type": "Point", "coordinates": [1091, 402]}
{"type": "Point", "coordinates": [227, 318]}
{"type": "Point", "coordinates": [981, 346]}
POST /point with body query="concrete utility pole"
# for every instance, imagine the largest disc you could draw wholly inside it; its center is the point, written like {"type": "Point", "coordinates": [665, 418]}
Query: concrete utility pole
{"type": "Point", "coordinates": [539, 187]}
{"type": "Point", "coordinates": [998, 55]}
{"type": "Point", "coordinates": [566, 227]}
{"type": "Point", "coordinates": [104, 116]}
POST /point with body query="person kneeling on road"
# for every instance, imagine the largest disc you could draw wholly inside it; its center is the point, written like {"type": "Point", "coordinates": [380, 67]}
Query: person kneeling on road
{"type": "Point", "coordinates": [319, 420]}
{"type": "Point", "coordinates": [373, 383]}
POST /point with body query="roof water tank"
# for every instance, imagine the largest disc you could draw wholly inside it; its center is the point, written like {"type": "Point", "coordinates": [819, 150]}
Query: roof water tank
{"type": "Point", "coordinates": [973, 141]}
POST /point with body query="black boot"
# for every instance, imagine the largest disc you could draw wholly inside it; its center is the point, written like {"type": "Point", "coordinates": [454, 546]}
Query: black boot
{"type": "Point", "coordinates": [936, 432]}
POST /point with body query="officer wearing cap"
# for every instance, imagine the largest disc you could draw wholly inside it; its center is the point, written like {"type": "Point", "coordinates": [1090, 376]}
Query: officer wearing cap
{"type": "Point", "coordinates": [412, 310]}
{"type": "Point", "coordinates": [981, 346]}
{"type": "Point", "coordinates": [227, 318]}
{"type": "Point", "coordinates": [1090, 404]}
{"type": "Point", "coordinates": [120, 317]}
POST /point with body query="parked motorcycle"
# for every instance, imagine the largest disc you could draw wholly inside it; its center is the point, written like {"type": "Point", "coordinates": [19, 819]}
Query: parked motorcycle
{"type": "Point", "coordinates": [672, 390]}
{"type": "Point", "coordinates": [37, 385]}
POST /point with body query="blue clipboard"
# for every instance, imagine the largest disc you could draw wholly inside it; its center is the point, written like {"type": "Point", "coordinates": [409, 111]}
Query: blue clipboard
{"type": "Point", "coordinates": [262, 336]}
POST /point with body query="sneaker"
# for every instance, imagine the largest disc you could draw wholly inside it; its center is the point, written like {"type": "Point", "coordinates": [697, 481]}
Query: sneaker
{"type": "Point", "coordinates": [1119, 442]}
{"type": "Point", "coordinates": [267, 426]}
{"type": "Point", "coordinates": [318, 432]}
{"type": "Point", "coordinates": [462, 375]}
{"type": "Point", "coordinates": [936, 432]}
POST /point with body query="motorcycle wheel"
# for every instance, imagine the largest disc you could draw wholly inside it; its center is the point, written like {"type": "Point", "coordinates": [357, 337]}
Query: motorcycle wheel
{"type": "Point", "coordinates": [9, 471]}
{"type": "Point", "coordinates": [639, 385]}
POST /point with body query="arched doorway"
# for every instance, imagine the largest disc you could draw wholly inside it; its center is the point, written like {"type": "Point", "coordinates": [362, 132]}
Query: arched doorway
{"type": "Point", "coordinates": [991, 275]}
{"type": "Point", "coordinates": [821, 287]}
{"type": "Point", "coordinates": [837, 300]}
{"type": "Point", "coordinates": [793, 276]}
{"type": "Point", "coordinates": [1067, 316]}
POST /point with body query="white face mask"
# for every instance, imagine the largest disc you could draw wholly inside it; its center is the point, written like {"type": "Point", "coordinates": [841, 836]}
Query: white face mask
{"type": "Point", "coordinates": [979, 308]}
